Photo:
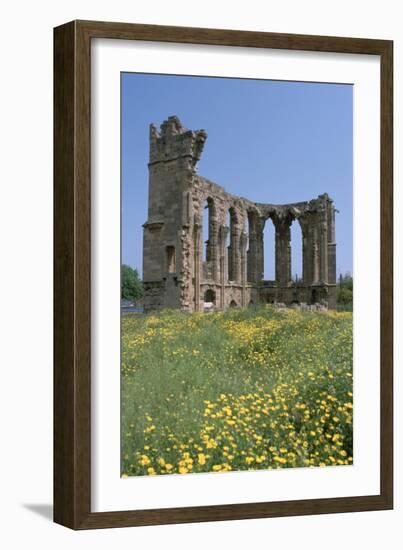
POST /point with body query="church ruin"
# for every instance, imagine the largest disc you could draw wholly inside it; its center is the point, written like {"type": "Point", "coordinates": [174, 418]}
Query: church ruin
{"type": "Point", "coordinates": [176, 274]}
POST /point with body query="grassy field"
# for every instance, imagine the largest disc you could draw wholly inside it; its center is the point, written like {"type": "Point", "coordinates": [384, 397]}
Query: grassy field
{"type": "Point", "coordinates": [245, 389]}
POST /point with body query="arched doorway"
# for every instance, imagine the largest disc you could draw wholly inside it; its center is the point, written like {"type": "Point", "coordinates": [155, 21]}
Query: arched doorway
{"type": "Point", "coordinates": [209, 296]}
{"type": "Point", "coordinates": [233, 304]}
{"type": "Point", "coordinates": [209, 300]}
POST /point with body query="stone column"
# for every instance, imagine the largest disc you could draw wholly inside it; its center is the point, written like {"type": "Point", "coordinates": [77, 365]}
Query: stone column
{"type": "Point", "coordinates": [243, 243]}
{"type": "Point", "coordinates": [197, 265]}
{"type": "Point", "coordinates": [283, 251]}
{"type": "Point", "coordinates": [251, 258]}
{"type": "Point", "coordinates": [306, 255]}
{"type": "Point", "coordinates": [331, 244]}
{"type": "Point", "coordinates": [236, 252]}
{"type": "Point", "coordinates": [323, 252]}
{"type": "Point", "coordinates": [214, 248]}
{"type": "Point", "coordinates": [315, 254]}
{"type": "Point", "coordinates": [223, 233]}
{"type": "Point", "coordinates": [306, 250]}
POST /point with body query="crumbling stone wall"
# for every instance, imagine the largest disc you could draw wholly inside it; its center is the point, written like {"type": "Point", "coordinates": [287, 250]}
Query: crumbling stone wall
{"type": "Point", "coordinates": [231, 275]}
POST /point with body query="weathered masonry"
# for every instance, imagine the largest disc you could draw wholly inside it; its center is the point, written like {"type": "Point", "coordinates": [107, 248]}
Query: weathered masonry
{"type": "Point", "coordinates": [180, 271]}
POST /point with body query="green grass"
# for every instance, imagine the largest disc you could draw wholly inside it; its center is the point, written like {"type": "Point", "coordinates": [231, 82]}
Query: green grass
{"type": "Point", "coordinates": [244, 389]}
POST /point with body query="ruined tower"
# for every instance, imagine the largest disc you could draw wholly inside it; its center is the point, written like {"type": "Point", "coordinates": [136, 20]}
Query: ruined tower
{"type": "Point", "coordinates": [176, 274]}
{"type": "Point", "coordinates": [174, 152]}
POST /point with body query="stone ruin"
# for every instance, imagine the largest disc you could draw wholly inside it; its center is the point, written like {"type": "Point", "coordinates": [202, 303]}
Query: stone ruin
{"type": "Point", "coordinates": [178, 273]}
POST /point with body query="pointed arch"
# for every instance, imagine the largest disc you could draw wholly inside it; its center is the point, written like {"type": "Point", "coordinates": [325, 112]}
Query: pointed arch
{"type": "Point", "coordinates": [269, 251]}
{"type": "Point", "coordinates": [209, 218]}
{"type": "Point", "coordinates": [296, 251]}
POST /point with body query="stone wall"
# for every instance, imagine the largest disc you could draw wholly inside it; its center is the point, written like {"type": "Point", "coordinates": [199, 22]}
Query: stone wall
{"type": "Point", "coordinates": [176, 274]}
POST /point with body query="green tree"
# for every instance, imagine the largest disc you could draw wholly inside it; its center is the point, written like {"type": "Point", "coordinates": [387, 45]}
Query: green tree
{"type": "Point", "coordinates": [344, 295]}
{"type": "Point", "coordinates": [131, 284]}
{"type": "Point", "coordinates": [345, 289]}
{"type": "Point", "coordinates": [347, 282]}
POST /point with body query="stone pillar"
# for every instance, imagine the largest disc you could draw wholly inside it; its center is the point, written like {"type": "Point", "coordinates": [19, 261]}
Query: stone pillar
{"type": "Point", "coordinates": [251, 257]}
{"type": "Point", "coordinates": [197, 265]}
{"type": "Point", "coordinates": [331, 244]}
{"type": "Point", "coordinates": [223, 234]}
{"type": "Point", "coordinates": [283, 251]}
{"type": "Point", "coordinates": [306, 255]}
{"type": "Point", "coordinates": [236, 252]}
{"type": "Point", "coordinates": [255, 252]}
{"type": "Point", "coordinates": [214, 248]}
{"type": "Point", "coordinates": [306, 249]}
{"type": "Point", "coordinates": [315, 254]}
{"type": "Point", "coordinates": [323, 252]}
{"type": "Point", "coordinates": [243, 244]}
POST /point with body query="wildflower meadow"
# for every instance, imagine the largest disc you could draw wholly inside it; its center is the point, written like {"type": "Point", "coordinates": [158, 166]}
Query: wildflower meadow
{"type": "Point", "coordinates": [257, 388]}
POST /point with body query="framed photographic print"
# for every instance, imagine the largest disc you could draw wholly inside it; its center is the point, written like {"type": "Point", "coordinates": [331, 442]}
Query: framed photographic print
{"type": "Point", "coordinates": [223, 275]}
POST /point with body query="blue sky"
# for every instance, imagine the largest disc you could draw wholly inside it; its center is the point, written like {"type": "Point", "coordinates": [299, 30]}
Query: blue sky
{"type": "Point", "coordinates": [270, 141]}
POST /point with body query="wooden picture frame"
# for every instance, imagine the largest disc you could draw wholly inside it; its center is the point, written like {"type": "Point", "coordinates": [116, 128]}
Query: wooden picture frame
{"type": "Point", "coordinates": [72, 270]}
